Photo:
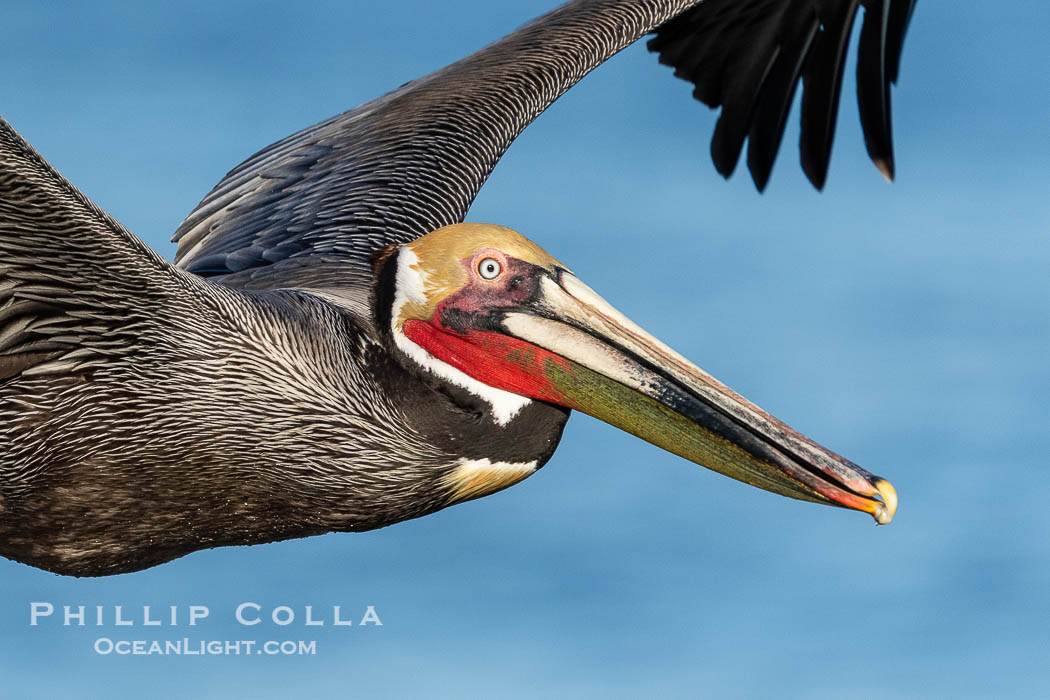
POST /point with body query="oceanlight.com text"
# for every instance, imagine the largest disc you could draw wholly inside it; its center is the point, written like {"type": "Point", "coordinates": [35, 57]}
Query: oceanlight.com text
{"type": "Point", "coordinates": [201, 647]}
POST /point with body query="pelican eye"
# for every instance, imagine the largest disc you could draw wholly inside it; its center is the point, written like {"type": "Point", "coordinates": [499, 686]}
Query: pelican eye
{"type": "Point", "coordinates": [489, 268]}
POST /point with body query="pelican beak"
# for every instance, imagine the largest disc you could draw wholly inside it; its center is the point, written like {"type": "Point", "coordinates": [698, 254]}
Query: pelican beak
{"type": "Point", "coordinates": [590, 357]}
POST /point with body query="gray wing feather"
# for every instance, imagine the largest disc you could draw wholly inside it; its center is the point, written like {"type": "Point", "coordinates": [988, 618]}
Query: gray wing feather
{"type": "Point", "coordinates": [413, 160]}
{"type": "Point", "coordinates": [70, 275]}
{"type": "Point", "coordinates": [409, 162]}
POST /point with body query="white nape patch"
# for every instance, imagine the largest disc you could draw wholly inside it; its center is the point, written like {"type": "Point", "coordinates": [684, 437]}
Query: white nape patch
{"type": "Point", "coordinates": [410, 282]}
{"type": "Point", "coordinates": [410, 285]}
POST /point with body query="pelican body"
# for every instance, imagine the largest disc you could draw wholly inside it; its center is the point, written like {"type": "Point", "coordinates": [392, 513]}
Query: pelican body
{"type": "Point", "coordinates": [335, 350]}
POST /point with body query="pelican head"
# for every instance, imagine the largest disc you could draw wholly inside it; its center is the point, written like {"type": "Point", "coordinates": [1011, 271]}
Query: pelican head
{"type": "Point", "coordinates": [484, 308]}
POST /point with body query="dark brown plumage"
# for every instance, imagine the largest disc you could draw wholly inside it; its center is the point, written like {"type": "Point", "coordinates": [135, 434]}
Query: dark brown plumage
{"type": "Point", "coordinates": [263, 386]}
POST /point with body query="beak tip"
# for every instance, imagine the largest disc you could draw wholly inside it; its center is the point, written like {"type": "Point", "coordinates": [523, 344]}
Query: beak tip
{"type": "Point", "coordinates": [884, 513]}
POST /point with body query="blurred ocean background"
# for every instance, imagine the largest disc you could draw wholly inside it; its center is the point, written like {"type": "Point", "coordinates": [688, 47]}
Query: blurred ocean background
{"type": "Point", "coordinates": [905, 326]}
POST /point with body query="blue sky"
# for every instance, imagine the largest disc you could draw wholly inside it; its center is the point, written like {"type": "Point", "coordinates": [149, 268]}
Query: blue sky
{"type": "Point", "coordinates": [902, 325]}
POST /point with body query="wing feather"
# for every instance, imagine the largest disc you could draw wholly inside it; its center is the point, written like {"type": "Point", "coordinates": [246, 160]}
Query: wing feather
{"type": "Point", "coordinates": [67, 270]}
{"type": "Point", "coordinates": [413, 160]}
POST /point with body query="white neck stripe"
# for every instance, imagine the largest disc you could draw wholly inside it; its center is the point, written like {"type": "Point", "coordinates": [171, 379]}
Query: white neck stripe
{"type": "Point", "coordinates": [409, 286]}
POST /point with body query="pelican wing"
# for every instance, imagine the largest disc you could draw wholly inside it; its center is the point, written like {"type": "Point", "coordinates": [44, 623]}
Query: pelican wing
{"type": "Point", "coordinates": [76, 288]}
{"type": "Point", "coordinates": [313, 208]}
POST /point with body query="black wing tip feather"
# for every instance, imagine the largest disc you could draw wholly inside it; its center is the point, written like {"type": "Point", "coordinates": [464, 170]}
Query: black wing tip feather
{"type": "Point", "coordinates": [748, 59]}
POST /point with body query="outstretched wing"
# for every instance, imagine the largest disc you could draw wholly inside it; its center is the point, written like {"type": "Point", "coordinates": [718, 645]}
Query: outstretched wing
{"type": "Point", "coordinates": [76, 288]}
{"type": "Point", "coordinates": [747, 56]}
{"type": "Point", "coordinates": [313, 208]}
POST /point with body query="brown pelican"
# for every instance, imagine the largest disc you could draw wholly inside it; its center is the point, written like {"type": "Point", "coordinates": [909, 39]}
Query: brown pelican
{"type": "Point", "coordinates": [334, 350]}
